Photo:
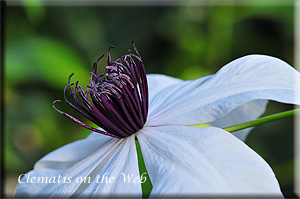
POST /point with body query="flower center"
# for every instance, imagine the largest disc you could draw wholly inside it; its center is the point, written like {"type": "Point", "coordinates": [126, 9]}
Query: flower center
{"type": "Point", "coordinates": [116, 101]}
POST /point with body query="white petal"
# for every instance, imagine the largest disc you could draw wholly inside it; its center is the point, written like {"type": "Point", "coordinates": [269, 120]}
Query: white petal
{"type": "Point", "coordinates": [123, 168]}
{"type": "Point", "coordinates": [244, 113]}
{"type": "Point", "coordinates": [157, 82]}
{"type": "Point", "coordinates": [72, 153]}
{"type": "Point", "coordinates": [241, 81]}
{"type": "Point", "coordinates": [195, 161]}
{"type": "Point", "coordinates": [117, 155]}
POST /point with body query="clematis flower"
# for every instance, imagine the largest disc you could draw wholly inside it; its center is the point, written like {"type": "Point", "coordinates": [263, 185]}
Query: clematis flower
{"type": "Point", "coordinates": [180, 159]}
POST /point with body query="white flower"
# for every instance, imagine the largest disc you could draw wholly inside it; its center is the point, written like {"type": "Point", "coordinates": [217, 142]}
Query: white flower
{"type": "Point", "coordinates": [180, 160]}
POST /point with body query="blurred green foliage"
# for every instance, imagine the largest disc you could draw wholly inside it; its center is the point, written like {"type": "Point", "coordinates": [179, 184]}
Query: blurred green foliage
{"type": "Point", "coordinates": [44, 45]}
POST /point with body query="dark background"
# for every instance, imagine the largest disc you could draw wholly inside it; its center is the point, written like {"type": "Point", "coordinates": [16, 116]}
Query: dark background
{"type": "Point", "coordinates": [43, 45]}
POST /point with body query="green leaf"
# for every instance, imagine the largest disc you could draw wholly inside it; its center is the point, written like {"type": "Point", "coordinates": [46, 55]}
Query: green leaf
{"type": "Point", "coordinates": [42, 59]}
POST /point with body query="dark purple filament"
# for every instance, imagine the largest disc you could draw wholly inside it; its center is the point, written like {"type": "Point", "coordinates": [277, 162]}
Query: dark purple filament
{"type": "Point", "coordinates": [116, 101]}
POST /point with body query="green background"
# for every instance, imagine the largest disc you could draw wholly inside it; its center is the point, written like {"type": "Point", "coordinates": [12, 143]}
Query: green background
{"type": "Point", "coordinates": [45, 44]}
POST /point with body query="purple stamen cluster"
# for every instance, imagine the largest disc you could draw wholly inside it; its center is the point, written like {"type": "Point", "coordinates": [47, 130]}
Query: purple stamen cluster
{"type": "Point", "coordinates": [116, 101]}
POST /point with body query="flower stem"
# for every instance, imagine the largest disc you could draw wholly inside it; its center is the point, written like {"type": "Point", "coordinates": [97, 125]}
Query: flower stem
{"type": "Point", "coordinates": [147, 185]}
{"type": "Point", "coordinates": [261, 120]}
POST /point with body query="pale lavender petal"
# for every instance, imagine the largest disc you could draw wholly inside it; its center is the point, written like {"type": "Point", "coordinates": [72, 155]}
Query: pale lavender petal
{"type": "Point", "coordinates": [244, 113]}
{"type": "Point", "coordinates": [114, 157]}
{"type": "Point", "coordinates": [158, 82]}
{"type": "Point", "coordinates": [192, 161]}
{"type": "Point", "coordinates": [208, 99]}
{"type": "Point", "coordinates": [72, 153]}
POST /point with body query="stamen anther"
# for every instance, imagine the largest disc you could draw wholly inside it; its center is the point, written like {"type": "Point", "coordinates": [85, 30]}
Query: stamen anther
{"type": "Point", "coordinates": [116, 101]}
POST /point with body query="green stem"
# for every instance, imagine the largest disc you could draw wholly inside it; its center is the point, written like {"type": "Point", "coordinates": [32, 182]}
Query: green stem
{"type": "Point", "coordinates": [147, 185]}
{"type": "Point", "coordinates": [261, 120]}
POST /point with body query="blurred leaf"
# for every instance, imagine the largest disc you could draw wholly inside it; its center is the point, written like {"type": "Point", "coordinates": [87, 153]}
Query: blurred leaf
{"type": "Point", "coordinates": [42, 59]}
{"type": "Point", "coordinates": [194, 72]}
{"type": "Point", "coordinates": [220, 35]}
{"type": "Point", "coordinates": [34, 10]}
{"type": "Point", "coordinates": [285, 172]}
{"type": "Point", "coordinates": [12, 160]}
